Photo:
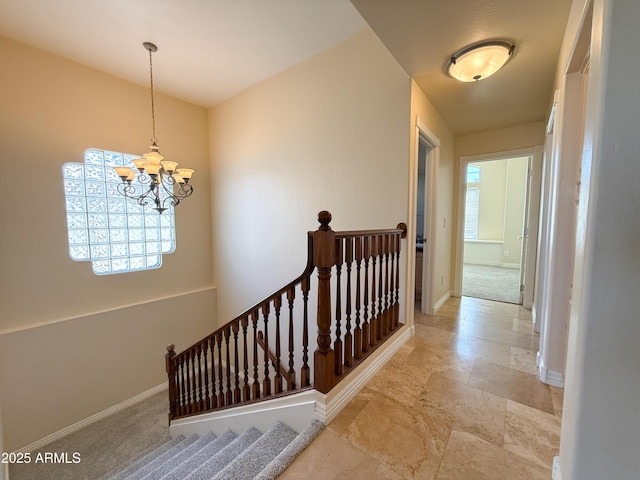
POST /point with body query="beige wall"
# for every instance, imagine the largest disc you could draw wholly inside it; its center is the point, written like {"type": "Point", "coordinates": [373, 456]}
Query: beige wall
{"type": "Point", "coordinates": [514, 210]}
{"type": "Point", "coordinates": [73, 343]}
{"type": "Point", "coordinates": [493, 194]}
{"type": "Point", "coordinates": [331, 133]}
{"type": "Point", "coordinates": [421, 107]}
{"type": "Point", "coordinates": [501, 140]}
{"type": "Point", "coordinates": [502, 189]}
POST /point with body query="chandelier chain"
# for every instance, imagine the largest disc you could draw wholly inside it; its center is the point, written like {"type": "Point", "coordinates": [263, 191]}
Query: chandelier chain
{"type": "Point", "coordinates": [153, 110]}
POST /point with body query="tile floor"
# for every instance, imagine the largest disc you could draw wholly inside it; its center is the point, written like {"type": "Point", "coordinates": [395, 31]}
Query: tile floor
{"type": "Point", "coordinates": [459, 401]}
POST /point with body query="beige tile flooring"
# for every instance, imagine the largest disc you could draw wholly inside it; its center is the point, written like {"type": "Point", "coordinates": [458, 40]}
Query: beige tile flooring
{"type": "Point", "coordinates": [459, 401]}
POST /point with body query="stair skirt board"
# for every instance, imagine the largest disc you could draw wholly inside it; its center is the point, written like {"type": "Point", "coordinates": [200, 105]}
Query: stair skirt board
{"type": "Point", "coordinates": [296, 410]}
{"type": "Point", "coordinates": [252, 455]}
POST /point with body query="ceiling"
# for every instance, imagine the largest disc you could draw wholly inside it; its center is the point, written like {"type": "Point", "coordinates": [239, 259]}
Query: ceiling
{"type": "Point", "coordinates": [423, 34]}
{"type": "Point", "coordinates": [210, 50]}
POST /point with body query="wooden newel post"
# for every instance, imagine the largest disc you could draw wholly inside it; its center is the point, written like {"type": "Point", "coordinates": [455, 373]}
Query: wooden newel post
{"type": "Point", "coordinates": [324, 244]}
{"type": "Point", "coordinates": [171, 373]}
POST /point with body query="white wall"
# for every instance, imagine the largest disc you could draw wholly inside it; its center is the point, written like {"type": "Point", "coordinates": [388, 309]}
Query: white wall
{"type": "Point", "coordinates": [441, 239]}
{"type": "Point", "coordinates": [601, 419]}
{"type": "Point", "coordinates": [72, 343]}
{"type": "Point", "coordinates": [330, 133]}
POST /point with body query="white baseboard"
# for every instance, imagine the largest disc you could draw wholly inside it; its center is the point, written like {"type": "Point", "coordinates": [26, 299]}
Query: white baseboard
{"type": "Point", "coordinates": [441, 301]}
{"type": "Point", "coordinates": [483, 263]}
{"type": "Point", "coordinates": [340, 396]}
{"type": "Point", "coordinates": [297, 410]}
{"type": "Point", "coordinates": [555, 472]}
{"type": "Point", "coordinates": [93, 418]}
{"type": "Point", "coordinates": [550, 377]}
{"type": "Point", "coordinates": [534, 318]}
{"type": "Point", "coordinates": [514, 266]}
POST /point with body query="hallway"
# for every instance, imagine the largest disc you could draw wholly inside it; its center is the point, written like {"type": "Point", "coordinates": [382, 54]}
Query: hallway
{"type": "Point", "coordinates": [460, 401]}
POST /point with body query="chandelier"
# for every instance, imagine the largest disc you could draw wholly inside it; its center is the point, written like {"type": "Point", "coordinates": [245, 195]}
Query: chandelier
{"type": "Point", "coordinates": [154, 181]}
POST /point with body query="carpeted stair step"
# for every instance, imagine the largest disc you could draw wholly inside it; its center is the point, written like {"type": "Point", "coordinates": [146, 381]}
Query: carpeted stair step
{"type": "Point", "coordinates": [225, 456]}
{"type": "Point", "coordinates": [259, 454]}
{"type": "Point", "coordinates": [286, 457]}
{"type": "Point", "coordinates": [250, 456]}
{"type": "Point", "coordinates": [155, 463]}
{"type": "Point", "coordinates": [142, 460]}
{"type": "Point", "coordinates": [161, 471]}
{"type": "Point", "coordinates": [199, 458]}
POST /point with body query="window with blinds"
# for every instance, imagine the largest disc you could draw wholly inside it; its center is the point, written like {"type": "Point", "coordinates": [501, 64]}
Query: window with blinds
{"type": "Point", "coordinates": [471, 214]}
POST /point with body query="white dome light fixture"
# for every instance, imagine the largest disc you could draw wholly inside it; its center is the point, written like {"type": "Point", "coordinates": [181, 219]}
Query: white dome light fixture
{"type": "Point", "coordinates": [479, 61]}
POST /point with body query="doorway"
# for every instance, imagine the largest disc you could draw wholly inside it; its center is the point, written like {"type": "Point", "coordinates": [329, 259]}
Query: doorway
{"type": "Point", "coordinates": [495, 203]}
{"type": "Point", "coordinates": [427, 154]}
{"type": "Point", "coordinates": [498, 206]}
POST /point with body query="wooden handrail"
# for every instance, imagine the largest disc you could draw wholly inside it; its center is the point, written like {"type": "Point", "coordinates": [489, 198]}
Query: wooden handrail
{"type": "Point", "coordinates": [227, 368]}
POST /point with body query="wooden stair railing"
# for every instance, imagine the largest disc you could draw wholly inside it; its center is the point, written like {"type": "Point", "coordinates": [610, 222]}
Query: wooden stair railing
{"type": "Point", "coordinates": [290, 377]}
{"type": "Point", "coordinates": [261, 353]}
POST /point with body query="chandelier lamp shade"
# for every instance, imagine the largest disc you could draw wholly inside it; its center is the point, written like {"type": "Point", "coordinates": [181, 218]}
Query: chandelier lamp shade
{"type": "Point", "coordinates": [479, 61]}
{"type": "Point", "coordinates": [154, 181]}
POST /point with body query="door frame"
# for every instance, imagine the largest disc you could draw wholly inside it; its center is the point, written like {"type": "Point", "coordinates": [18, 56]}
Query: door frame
{"type": "Point", "coordinates": [432, 142]}
{"type": "Point", "coordinates": [533, 194]}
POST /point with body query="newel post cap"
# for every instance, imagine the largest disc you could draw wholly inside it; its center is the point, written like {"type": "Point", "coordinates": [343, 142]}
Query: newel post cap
{"type": "Point", "coordinates": [324, 218]}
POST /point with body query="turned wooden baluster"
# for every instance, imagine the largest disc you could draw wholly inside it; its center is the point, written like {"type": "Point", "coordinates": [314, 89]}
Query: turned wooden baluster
{"type": "Point", "coordinates": [348, 340]}
{"type": "Point", "coordinates": [207, 397]}
{"type": "Point", "coordinates": [365, 324]}
{"type": "Point", "coordinates": [358, 331]}
{"type": "Point", "coordinates": [386, 328]}
{"type": "Point", "coordinates": [190, 390]}
{"type": "Point", "coordinates": [266, 382]}
{"type": "Point", "coordinates": [291, 380]}
{"type": "Point", "coordinates": [305, 371]}
{"type": "Point", "coordinates": [173, 384]}
{"type": "Point", "coordinates": [324, 242]}
{"type": "Point", "coordinates": [395, 240]}
{"type": "Point", "coordinates": [396, 315]}
{"type": "Point", "coordinates": [198, 354]}
{"type": "Point", "coordinates": [229, 393]}
{"type": "Point", "coordinates": [183, 387]}
{"type": "Point", "coordinates": [246, 389]}
{"type": "Point", "coordinates": [212, 349]}
{"type": "Point", "coordinates": [237, 397]}
{"type": "Point", "coordinates": [380, 292]}
{"type": "Point", "coordinates": [220, 371]}
{"type": "Point", "coordinates": [337, 344]}
{"type": "Point", "coordinates": [277, 379]}
{"type": "Point", "coordinates": [256, 376]}
{"type": "Point", "coordinates": [374, 335]}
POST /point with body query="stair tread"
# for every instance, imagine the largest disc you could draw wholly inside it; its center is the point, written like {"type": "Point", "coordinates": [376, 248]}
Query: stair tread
{"type": "Point", "coordinates": [252, 456]}
{"type": "Point", "coordinates": [149, 467]}
{"type": "Point", "coordinates": [143, 459]}
{"type": "Point", "coordinates": [225, 456]}
{"type": "Point", "coordinates": [258, 455]}
{"type": "Point", "coordinates": [286, 457]}
{"type": "Point", "coordinates": [208, 451]}
{"type": "Point", "coordinates": [177, 459]}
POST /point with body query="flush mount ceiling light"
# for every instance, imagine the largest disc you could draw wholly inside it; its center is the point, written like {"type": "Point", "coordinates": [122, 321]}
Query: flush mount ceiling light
{"type": "Point", "coordinates": [479, 61]}
{"type": "Point", "coordinates": [152, 180]}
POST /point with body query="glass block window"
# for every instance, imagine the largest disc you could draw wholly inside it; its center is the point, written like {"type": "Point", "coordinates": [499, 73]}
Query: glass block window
{"type": "Point", "coordinates": [105, 228]}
